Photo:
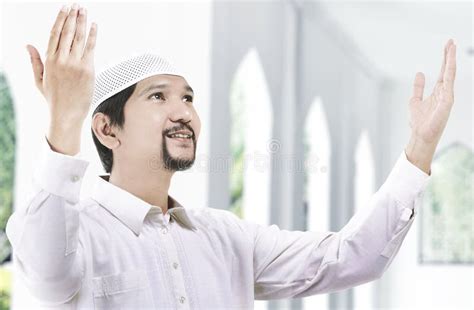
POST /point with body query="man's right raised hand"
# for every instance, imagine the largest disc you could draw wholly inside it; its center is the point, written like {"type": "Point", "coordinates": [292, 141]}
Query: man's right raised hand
{"type": "Point", "coordinates": [66, 79]}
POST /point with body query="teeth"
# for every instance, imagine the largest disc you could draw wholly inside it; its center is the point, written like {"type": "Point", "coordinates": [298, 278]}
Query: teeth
{"type": "Point", "coordinates": [180, 135]}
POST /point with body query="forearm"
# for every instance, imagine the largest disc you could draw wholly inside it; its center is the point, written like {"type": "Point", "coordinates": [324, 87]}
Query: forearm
{"type": "Point", "coordinates": [366, 246]}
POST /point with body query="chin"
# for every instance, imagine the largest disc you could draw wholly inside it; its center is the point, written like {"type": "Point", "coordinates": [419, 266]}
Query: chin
{"type": "Point", "coordinates": [178, 157]}
{"type": "Point", "coordinates": [179, 164]}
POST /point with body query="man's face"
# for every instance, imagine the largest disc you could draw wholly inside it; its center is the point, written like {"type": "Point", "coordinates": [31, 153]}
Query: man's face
{"type": "Point", "coordinates": [161, 125]}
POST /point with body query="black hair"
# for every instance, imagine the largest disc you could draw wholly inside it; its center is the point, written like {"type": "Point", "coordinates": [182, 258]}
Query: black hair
{"type": "Point", "coordinates": [113, 107]}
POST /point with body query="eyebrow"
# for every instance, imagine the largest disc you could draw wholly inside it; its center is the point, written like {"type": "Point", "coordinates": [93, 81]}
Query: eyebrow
{"type": "Point", "coordinates": [162, 86]}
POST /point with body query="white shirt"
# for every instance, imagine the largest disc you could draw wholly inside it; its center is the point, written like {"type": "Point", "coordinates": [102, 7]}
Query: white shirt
{"type": "Point", "coordinates": [116, 251]}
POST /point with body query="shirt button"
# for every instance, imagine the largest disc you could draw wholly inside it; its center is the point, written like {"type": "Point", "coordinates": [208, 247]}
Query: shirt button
{"type": "Point", "coordinates": [182, 299]}
{"type": "Point", "coordinates": [75, 178]}
{"type": "Point", "coordinates": [175, 265]}
{"type": "Point", "coordinates": [164, 230]}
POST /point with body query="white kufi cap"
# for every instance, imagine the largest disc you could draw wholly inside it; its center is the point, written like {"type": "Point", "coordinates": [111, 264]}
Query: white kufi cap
{"type": "Point", "coordinates": [126, 73]}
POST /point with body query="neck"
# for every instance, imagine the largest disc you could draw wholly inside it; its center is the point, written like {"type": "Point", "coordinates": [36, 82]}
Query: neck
{"type": "Point", "coordinates": [150, 185]}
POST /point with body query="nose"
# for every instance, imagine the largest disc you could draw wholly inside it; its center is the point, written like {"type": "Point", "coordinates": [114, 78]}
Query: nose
{"type": "Point", "coordinates": [181, 112]}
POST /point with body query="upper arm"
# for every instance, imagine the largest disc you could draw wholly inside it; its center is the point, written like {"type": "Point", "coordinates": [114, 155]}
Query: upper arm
{"type": "Point", "coordinates": [285, 260]}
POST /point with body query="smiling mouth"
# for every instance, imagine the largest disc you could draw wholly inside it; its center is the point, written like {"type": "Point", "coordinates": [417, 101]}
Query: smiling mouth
{"type": "Point", "coordinates": [181, 136]}
{"type": "Point", "coordinates": [182, 133]}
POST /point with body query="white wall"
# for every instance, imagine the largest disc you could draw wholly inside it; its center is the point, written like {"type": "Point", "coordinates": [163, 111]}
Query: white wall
{"type": "Point", "coordinates": [180, 31]}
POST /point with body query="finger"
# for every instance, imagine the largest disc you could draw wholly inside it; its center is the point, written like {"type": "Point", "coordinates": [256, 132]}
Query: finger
{"type": "Point", "coordinates": [450, 72]}
{"type": "Point", "coordinates": [90, 45]}
{"type": "Point", "coordinates": [79, 38]}
{"type": "Point", "coordinates": [37, 64]}
{"type": "Point", "coordinates": [443, 65]}
{"type": "Point", "coordinates": [418, 86]}
{"type": "Point", "coordinates": [56, 30]}
{"type": "Point", "coordinates": [68, 32]}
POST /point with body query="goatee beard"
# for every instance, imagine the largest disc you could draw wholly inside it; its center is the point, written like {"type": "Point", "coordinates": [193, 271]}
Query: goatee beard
{"type": "Point", "coordinates": [174, 163]}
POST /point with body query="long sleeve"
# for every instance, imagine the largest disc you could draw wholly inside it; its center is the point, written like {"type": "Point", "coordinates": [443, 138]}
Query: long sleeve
{"type": "Point", "coordinates": [298, 264]}
{"type": "Point", "coordinates": [44, 232]}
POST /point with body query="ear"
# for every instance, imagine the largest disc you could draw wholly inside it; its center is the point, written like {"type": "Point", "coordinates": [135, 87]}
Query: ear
{"type": "Point", "coordinates": [105, 133]}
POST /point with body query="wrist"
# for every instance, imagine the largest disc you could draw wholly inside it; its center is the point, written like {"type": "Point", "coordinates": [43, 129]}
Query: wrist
{"type": "Point", "coordinates": [65, 139]}
{"type": "Point", "coordinates": [420, 154]}
{"type": "Point", "coordinates": [68, 122]}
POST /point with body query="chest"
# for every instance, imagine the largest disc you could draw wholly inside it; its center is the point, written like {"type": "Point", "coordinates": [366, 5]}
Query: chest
{"type": "Point", "coordinates": [167, 266]}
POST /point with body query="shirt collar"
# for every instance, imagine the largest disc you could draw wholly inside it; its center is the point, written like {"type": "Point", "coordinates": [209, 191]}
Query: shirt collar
{"type": "Point", "coordinates": [130, 209]}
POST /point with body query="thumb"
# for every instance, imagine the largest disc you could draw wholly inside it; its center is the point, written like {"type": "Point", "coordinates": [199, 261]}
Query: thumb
{"type": "Point", "coordinates": [37, 65]}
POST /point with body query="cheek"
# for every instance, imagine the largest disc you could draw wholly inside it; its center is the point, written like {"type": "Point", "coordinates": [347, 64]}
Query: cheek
{"type": "Point", "coordinates": [145, 131]}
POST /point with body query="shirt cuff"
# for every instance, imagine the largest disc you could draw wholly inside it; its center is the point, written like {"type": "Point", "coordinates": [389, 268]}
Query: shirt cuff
{"type": "Point", "coordinates": [406, 181]}
{"type": "Point", "coordinates": [60, 174]}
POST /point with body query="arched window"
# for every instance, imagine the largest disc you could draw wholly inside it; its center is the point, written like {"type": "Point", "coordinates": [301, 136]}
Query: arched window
{"type": "Point", "coordinates": [7, 174]}
{"type": "Point", "coordinates": [364, 187]}
{"type": "Point", "coordinates": [447, 213]}
{"type": "Point", "coordinates": [251, 133]}
{"type": "Point", "coordinates": [317, 156]}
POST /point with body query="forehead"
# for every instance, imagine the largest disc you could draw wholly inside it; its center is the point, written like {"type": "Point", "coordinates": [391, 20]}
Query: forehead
{"type": "Point", "coordinates": [168, 80]}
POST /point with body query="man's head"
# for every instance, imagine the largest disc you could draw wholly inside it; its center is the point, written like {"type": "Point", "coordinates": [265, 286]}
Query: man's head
{"type": "Point", "coordinates": [150, 124]}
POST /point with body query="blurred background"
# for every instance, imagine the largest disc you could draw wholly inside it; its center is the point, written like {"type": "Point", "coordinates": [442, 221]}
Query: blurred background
{"type": "Point", "coordinates": [304, 106]}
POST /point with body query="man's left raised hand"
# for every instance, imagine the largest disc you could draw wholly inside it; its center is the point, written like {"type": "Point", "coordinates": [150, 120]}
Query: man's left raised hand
{"type": "Point", "coordinates": [428, 116]}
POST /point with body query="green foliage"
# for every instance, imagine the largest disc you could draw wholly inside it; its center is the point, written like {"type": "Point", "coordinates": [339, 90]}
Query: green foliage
{"type": "Point", "coordinates": [7, 174]}
{"type": "Point", "coordinates": [237, 146]}
{"type": "Point", "coordinates": [5, 288]}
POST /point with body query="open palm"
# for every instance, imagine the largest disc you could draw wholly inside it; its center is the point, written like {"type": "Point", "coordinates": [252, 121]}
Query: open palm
{"type": "Point", "coordinates": [428, 116]}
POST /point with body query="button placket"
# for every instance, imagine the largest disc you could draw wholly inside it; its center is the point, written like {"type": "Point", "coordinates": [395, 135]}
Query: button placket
{"type": "Point", "coordinates": [177, 278]}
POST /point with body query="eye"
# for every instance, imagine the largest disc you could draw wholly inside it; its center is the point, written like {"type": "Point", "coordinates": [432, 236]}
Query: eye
{"type": "Point", "coordinates": [158, 95]}
{"type": "Point", "coordinates": [189, 98]}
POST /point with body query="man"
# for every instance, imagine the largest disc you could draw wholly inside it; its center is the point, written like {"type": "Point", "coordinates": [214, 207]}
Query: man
{"type": "Point", "coordinates": [132, 246]}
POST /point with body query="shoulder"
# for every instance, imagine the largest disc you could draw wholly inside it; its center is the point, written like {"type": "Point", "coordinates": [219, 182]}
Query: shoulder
{"type": "Point", "coordinates": [212, 216]}
{"type": "Point", "coordinates": [92, 213]}
{"type": "Point", "coordinates": [220, 219]}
